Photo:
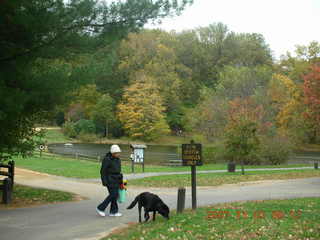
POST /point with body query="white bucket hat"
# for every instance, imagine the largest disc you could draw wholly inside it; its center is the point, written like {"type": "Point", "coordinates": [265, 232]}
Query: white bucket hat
{"type": "Point", "coordinates": [115, 149]}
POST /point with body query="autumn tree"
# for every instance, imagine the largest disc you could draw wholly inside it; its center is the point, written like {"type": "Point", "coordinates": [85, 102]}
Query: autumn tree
{"type": "Point", "coordinates": [287, 103]}
{"type": "Point", "coordinates": [150, 52]}
{"type": "Point", "coordinates": [141, 110]}
{"type": "Point", "coordinates": [211, 114]}
{"type": "Point", "coordinates": [209, 117]}
{"type": "Point", "coordinates": [312, 100]}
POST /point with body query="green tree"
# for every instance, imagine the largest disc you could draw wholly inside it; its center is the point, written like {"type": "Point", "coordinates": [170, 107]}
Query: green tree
{"type": "Point", "coordinates": [295, 67]}
{"type": "Point", "coordinates": [244, 124]}
{"type": "Point", "coordinates": [34, 33]}
{"type": "Point", "coordinates": [241, 141]}
{"type": "Point", "coordinates": [87, 96]}
{"type": "Point", "coordinates": [104, 111]}
{"type": "Point", "coordinates": [242, 81]}
{"type": "Point", "coordinates": [207, 50]}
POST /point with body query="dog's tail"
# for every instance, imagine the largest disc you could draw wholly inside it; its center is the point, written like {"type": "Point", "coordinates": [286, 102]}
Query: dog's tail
{"type": "Point", "coordinates": [133, 203]}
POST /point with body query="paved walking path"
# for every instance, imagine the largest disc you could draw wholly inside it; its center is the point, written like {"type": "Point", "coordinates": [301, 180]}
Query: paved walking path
{"type": "Point", "coordinates": [78, 220]}
{"type": "Point", "coordinates": [143, 175]}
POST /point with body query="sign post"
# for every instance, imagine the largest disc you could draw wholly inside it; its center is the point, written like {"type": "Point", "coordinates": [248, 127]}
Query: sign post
{"type": "Point", "coordinates": [137, 155]}
{"type": "Point", "coordinates": [41, 148]}
{"type": "Point", "coordinates": [192, 156]}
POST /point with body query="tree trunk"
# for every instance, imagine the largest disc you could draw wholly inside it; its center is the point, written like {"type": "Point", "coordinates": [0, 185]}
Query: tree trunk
{"type": "Point", "coordinates": [242, 167]}
{"type": "Point", "coordinates": [107, 130]}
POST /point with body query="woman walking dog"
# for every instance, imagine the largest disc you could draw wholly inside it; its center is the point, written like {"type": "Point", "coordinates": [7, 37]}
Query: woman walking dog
{"type": "Point", "coordinates": [111, 178]}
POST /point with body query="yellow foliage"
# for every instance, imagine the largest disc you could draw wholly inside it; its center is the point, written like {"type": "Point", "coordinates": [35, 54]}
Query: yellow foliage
{"type": "Point", "coordinates": [287, 97]}
{"type": "Point", "coordinates": [141, 109]}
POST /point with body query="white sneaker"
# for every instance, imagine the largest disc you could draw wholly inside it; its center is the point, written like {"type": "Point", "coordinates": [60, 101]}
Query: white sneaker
{"type": "Point", "coordinates": [101, 213]}
{"type": "Point", "coordinates": [115, 214]}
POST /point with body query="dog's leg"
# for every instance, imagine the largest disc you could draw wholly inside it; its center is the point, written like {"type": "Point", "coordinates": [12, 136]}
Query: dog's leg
{"type": "Point", "coordinates": [154, 215]}
{"type": "Point", "coordinates": [139, 209]}
{"type": "Point", "coordinates": [146, 216]}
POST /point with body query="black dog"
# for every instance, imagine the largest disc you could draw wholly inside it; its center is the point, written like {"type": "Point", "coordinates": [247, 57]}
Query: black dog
{"type": "Point", "coordinates": [151, 203]}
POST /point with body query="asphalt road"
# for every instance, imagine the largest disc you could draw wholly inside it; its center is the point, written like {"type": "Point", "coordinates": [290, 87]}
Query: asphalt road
{"type": "Point", "coordinates": [78, 220]}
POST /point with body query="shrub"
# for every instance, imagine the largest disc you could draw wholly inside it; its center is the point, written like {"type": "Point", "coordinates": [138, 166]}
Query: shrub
{"type": "Point", "coordinates": [85, 126]}
{"type": "Point", "coordinates": [87, 137]}
{"type": "Point", "coordinates": [208, 155]}
{"type": "Point", "coordinates": [69, 129]}
{"type": "Point", "coordinates": [276, 150]}
{"type": "Point", "coordinates": [215, 153]}
{"type": "Point", "coordinates": [242, 142]}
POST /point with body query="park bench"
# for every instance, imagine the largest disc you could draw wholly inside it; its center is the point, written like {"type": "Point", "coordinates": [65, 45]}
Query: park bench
{"type": "Point", "coordinates": [7, 183]}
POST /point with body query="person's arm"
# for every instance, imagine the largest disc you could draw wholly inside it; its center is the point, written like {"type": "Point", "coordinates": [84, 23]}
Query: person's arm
{"type": "Point", "coordinates": [104, 170]}
{"type": "Point", "coordinates": [121, 175]}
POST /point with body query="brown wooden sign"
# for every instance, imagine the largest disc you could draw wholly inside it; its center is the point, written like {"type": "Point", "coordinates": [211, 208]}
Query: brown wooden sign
{"type": "Point", "coordinates": [191, 154]}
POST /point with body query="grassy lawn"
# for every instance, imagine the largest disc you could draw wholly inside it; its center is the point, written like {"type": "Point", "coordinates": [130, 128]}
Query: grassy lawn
{"type": "Point", "coordinates": [60, 166]}
{"type": "Point", "coordinates": [55, 135]}
{"type": "Point", "coordinates": [301, 220]}
{"type": "Point", "coordinates": [24, 196]}
{"type": "Point", "coordinates": [215, 179]}
{"type": "Point", "coordinates": [68, 167]}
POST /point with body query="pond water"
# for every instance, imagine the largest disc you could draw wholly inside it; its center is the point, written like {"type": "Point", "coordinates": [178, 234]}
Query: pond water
{"type": "Point", "coordinates": [155, 154]}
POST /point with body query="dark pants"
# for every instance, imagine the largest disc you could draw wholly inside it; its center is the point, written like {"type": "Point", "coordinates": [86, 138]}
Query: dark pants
{"type": "Point", "coordinates": [113, 197]}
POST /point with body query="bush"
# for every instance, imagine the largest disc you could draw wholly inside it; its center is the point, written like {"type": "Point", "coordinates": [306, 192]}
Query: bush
{"type": "Point", "coordinates": [87, 137]}
{"type": "Point", "coordinates": [84, 126]}
{"type": "Point", "coordinates": [276, 150]}
{"type": "Point", "coordinates": [254, 158]}
{"type": "Point", "coordinates": [208, 155]}
{"type": "Point", "coordinates": [69, 130]}
{"type": "Point", "coordinates": [242, 142]}
{"type": "Point", "coordinates": [215, 153]}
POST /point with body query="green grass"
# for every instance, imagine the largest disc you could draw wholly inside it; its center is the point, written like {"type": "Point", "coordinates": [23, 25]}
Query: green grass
{"type": "Point", "coordinates": [293, 225]}
{"type": "Point", "coordinates": [24, 196]}
{"type": "Point", "coordinates": [55, 135]}
{"type": "Point", "coordinates": [215, 179]}
{"type": "Point", "coordinates": [60, 166]}
{"type": "Point", "coordinates": [69, 167]}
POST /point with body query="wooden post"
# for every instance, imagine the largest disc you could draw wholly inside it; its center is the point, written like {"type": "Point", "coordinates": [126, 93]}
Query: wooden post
{"type": "Point", "coordinates": [132, 165]}
{"type": "Point", "coordinates": [194, 187]}
{"type": "Point", "coordinates": [181, 199]}
{"type": "Point", "coordinates": [192, 156]}
{"type": "Point", "coordinates": [11, 171]}
{"type": "Point", "coordinates": [143, 166]}
{"type": "Point", "coordinates": [7, 191]}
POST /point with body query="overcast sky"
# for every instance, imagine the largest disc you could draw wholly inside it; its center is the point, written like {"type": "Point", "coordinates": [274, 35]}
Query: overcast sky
{"type": "Point", "coordinates": [284, 23]}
